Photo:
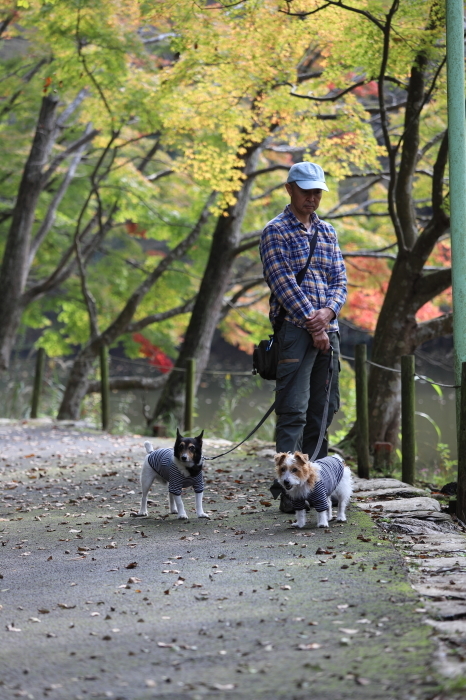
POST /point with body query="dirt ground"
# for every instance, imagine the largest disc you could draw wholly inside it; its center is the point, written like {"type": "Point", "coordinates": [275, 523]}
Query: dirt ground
{"type": "Point", "coordinates": [98, 604]}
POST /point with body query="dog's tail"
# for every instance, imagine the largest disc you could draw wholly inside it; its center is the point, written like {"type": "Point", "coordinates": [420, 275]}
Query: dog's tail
{"type": "Point", "coordinates": [148, 447]}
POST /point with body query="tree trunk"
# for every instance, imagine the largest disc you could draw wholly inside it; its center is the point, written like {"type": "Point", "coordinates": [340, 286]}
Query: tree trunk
{"type": "Point", "coordinates": [397, 333]}
{"type": "Point", "coordinates": [15, 266]}
{"type": "Point", "coordinates": [78, 381]}
{"type": "Point", "coordinates": [208, 307]}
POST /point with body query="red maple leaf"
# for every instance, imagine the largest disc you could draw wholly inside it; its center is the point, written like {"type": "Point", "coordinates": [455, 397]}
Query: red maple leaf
{"type": "Point", "coordinates": [155, 355]}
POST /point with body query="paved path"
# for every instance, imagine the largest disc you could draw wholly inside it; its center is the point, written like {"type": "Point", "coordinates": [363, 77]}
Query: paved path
{"type": "Point", "coordinates": [96, 604]}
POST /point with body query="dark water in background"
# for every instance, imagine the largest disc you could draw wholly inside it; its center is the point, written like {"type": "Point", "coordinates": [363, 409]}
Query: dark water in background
{"type": "Point", "coordinates": [229, 407]}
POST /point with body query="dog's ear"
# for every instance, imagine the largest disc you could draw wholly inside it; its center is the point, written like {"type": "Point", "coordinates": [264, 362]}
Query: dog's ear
{"type": "Point", "coordinates": [301, 458]}
{"type": "Point", "coordinates": [280, 458]}
{"type": "Point", "coordinates": [200, 436]}
{"type": "Point", "coordinates": [178, 434]}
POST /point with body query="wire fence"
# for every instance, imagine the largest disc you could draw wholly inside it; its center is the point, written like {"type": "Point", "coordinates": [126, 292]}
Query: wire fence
{"type": "Point", "coordinates": [245, 373]}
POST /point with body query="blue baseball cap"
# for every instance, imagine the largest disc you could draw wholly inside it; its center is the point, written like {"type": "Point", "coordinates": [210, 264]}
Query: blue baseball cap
{"type": "Point", "coordinates": [308, 176]}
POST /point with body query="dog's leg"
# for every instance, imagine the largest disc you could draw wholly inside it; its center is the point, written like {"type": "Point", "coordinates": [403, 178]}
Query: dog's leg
{"type": "Point", "coordinates": [147, 477]}
{"type": "Point", "coordinates": [300, 519]}
{"type": "Point", "coordinates": [172, 504]}
{"type": "Point", "coordinates": [180, 508]}
{"type": "Point", "coordinates": [330, 512]}
{"type": "Point", "coordinates": [199, 508]}
{"type": "Point", "coordinates": [343, 494]}
{"type": "Point", "coordinates": [322, 519]}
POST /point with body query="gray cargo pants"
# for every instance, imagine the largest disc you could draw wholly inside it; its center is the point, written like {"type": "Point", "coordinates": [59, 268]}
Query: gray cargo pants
{"type": "Point", "coordinates": [300, 398]}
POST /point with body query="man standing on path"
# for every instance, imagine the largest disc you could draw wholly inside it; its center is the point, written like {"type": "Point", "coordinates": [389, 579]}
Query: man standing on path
{"type": "Point", "coordinates": [310, 323]}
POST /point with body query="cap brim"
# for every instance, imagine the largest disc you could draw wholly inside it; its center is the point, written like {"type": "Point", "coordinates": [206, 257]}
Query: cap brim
{"type": "Point", "coordinates": [311, 185]}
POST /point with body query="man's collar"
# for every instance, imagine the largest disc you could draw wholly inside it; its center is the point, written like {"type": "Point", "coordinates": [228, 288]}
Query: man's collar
{"type": "Point", "coordinates": [313, 219]}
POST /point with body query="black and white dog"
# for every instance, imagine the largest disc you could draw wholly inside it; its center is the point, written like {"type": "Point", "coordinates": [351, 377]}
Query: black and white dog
{"type": "Point", "coordinates": [178, 468]}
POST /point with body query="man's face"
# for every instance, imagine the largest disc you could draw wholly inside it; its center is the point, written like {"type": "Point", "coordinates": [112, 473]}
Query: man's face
{"type": "Point", "coordinates": [304, 202]}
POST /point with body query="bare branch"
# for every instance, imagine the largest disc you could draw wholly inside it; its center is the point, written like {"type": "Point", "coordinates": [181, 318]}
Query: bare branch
{"type": "Point", "coordinates": [439, 222]}
{"type": "Point", "coordinates": [160, 175]}
{"type": "Point", "coordinates": [247, 245]}
{"type": "Point", "coordinates": [72, 107]}
{"type": "Point", "coordinates": [49, 218]}
{"type": "Point", "coordinates": [351, 194]}
{"type": "Point", "coordinates": [183, 308]}
{"type": "Point", "coordinates": [127, 383]}
{"type": "Point", "coordinates": [76, 145]}
{"type": "Point", "coordinates": [87, 295]}
{"type": "Point", "coordinates": [430, 285]}
{"type": "Point", "coordinates": [270, 169]}
{"type": "Point", "coordinates": [435, 328]}
{"type": "Point", "coordinates": [369, 254]}
{"type": "Point", "coordinates": [267, 192]}
{"type": "Point", "coordinates": [148, 157]}
{"type": "Point", "coordinates": [4, 23]}
{"type": "Point", "coordinates": [231, 304]}
{"type": "Point", "coordinates": [433, 141]}
{"type": "Point", "coordinates": [302, 77]}
{"type": "Point", "coordinates": [333, 98]}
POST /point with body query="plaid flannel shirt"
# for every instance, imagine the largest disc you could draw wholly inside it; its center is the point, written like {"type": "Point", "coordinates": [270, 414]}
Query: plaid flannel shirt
{"type": "Point", "coordinates": [284, 249]}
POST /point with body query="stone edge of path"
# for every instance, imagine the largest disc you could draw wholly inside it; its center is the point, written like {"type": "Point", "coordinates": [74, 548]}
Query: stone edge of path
{"type": "Point", "coordinates": [433, 546]}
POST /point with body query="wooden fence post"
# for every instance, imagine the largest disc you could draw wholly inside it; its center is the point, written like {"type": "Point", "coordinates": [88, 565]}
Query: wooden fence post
{"type": "Point", "coordinates": [38, 378]}
{"type": "Point", "coordinates": [104, 387]}
{"type": "Point", "coordinates": [461, 492]}
{"type": "Point", "coordinates": [362, 411]}
{"type": "Point", "coordinates": [189, 396]}
{"type": "Point", "coordinates": [408, 436]}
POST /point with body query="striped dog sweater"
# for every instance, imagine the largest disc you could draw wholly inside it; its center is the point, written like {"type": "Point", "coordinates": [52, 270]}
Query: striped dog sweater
{"type": "Point", "coordinates": [330, 475]}
{"type": "Point", "coordinates": [162, 462]}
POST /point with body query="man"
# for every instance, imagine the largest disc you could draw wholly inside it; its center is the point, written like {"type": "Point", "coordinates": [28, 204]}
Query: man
{"type": "Point", "coordinates": [310, 324]}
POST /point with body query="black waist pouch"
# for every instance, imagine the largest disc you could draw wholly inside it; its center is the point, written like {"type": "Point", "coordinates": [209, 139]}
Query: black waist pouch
{"type": "Point", "coordinates": [265, 358]}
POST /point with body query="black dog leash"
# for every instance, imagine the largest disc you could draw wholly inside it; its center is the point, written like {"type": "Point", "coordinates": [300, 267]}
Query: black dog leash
{"type": "Point", "coordinates": [328, 383]}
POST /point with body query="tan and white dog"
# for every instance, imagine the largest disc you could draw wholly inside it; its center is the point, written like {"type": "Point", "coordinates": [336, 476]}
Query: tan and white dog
{"type": "Point", "coordinates": [314, 483]}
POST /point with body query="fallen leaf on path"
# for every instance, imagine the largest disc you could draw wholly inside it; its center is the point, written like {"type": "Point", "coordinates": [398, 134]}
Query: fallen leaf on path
{"type": "Point", "coordinates": [221, 686]}
{"type": "Point", "coordinates": [12, 628]}
{"type": "Point", "coordinates": [308, 647]}
{"type": "Point", "coordinates": [43, 611]}
{"type": "Point", "coordinates": [347, 631]}
{"type": "Point", "coordinates": [64, 606]}
{"type": "Point", "coordinates": [131, 565]}
{"type": "Point", "coordinates": [362, 681]}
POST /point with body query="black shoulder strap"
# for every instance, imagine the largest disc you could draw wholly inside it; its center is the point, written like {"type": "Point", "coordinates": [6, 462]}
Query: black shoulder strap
{"type": "Point", "coordinates": [299, 278]}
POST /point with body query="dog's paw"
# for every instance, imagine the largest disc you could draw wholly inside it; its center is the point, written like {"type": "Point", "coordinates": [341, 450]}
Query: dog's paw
{"type": "Point", "coordinates": [322, 525]}
{"type": "Point", "coordinates": [296, 525]}
{"type": "Point", "coordinates": [182, 516]}
{"type": "Point", "coordinates": [203, 515]}
{"type": "Point", "coordinates": [139, 515]}
{"type": "Point", "coordinates": [174, 512]}
{"type": "Point", "coordinates": [342, 519]}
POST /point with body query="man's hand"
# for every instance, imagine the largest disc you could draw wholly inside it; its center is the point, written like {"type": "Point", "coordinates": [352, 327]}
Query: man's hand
{"type": "Point", "coordinates": [319, 320]}
{"type": "Point", "coordinates": [321, 341]}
